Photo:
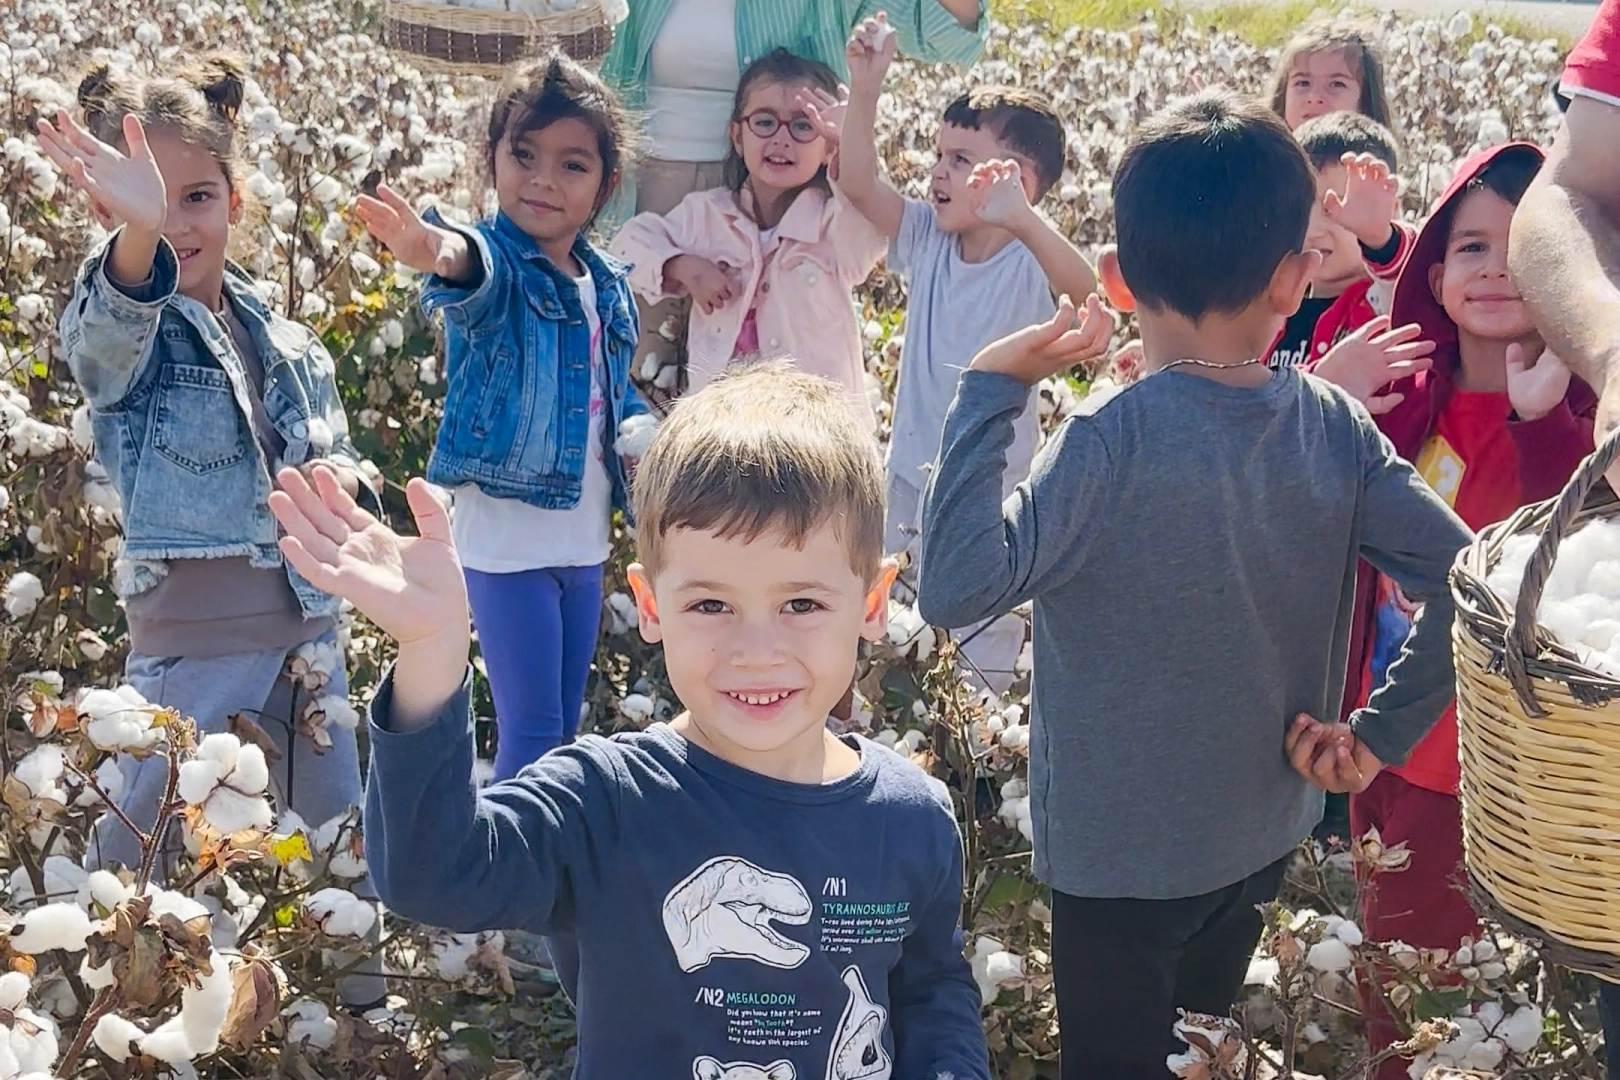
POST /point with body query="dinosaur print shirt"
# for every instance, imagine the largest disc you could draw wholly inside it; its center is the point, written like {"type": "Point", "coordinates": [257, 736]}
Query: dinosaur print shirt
{"type": "Point", "coordinates": [706, 921]}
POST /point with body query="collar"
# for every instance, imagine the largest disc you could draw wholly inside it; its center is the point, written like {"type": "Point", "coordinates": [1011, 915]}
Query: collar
{"type": "Point", "coordinates": [603, 268]}
{"type": "Point", "coordinates": [801, 223]}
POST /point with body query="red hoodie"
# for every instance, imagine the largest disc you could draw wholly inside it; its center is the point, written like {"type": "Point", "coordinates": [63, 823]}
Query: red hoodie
{"type": "Point", "coordinates": [1467, 445]}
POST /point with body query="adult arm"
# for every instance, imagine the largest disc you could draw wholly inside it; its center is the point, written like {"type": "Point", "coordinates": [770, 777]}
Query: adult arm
{"type": "Point", "coordinates": [443, 853]}
{"type": "Point", "coordinates": [934, 31]}
{"type": "Point", "coordinates": [1411, 536]}
{"type": "Point", "coordinates": [1565, 250]}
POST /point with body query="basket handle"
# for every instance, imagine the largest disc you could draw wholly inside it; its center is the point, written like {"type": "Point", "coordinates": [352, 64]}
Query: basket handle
{"type": "Point", "coordinates": [1521, 628]}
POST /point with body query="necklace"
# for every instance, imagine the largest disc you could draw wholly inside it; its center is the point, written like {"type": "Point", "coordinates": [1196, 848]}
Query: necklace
{"type": "Point", "coordinates": [1209, 364]}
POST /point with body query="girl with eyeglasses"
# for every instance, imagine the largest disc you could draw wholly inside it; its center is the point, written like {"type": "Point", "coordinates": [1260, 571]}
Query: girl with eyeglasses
{"type": "Point", "coordinates": [769, 259]}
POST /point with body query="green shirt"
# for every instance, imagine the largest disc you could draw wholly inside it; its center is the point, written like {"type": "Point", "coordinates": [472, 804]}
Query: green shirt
{"type": "Point", "coordinates": [817, 29]}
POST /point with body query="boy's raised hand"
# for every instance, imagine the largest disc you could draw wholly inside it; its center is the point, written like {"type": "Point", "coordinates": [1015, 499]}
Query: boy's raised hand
{"type": "Point", "coordinates": [996, 192]}
{"type": "Point", "coordinates": [410, 586]}
{"type": "Point", "coordinates": [1330, 756]}
{"type": "Point", "coordinates": [1371, 358]}
{"type": "Point", "coordinates": [124, 188]}
{"type": "Point", "coordinates": [869, 53]}
{"type": "Point", "coordinates": [1535, 389]}
{"type": "Point", "coordinates": [425, 248]}
{"type": "Point", "coordinates": [1045, 349]}
{"type": "Point", "coordinates": [1370, 202]}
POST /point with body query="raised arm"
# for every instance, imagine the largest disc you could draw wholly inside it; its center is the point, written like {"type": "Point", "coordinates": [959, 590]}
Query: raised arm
{"type": "Point", "coordinates": [980, 556]}
{"type": "Point", "coordinates": [1565, 250]}
{"type": "Point", "coordinates": [935, 31]}
{"type": "Point", "coordinates": [112, 320]}
{"type": "Point", "coordinates": [870, 52]}
{"type": "Point", "coordinates": [1000, 194]}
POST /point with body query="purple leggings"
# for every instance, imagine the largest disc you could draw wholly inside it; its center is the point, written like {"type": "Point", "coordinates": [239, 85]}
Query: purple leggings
{"type": "Point", "coordinates": [537, 630]}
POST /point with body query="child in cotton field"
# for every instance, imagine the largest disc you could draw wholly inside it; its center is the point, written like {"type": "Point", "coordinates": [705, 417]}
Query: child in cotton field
{"type": "Point", "coordinates": [979, 262]}
{"type": "Point", "coordinates": [1334, 64]}
{"type": "Point", "coordinates": [1190, 549]}
{"type": "Point", "coordinates": [776, 901]}
{"type": "Point", "coordinates": [770, 258]}
{"type": "Point", "coordinates": [1495, 424]}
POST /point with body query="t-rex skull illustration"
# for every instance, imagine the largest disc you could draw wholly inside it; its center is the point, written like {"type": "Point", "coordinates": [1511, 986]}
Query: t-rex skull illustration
{"type": "Point", "coordinates": [707, 1068]}
{"type": "Point", "coordinates": [725, 908]}
{"type": "Point", "coordinates": [857, 1050]}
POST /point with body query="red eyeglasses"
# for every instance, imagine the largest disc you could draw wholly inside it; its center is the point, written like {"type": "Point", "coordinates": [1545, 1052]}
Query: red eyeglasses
{"type": "Point", "coordinates": [765, 123]}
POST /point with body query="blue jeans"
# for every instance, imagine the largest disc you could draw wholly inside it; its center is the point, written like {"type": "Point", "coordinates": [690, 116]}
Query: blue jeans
{"type": "Point", "coordinates": [1609, 1008]}
{"type": "Point", "coordinates": [537, 631]}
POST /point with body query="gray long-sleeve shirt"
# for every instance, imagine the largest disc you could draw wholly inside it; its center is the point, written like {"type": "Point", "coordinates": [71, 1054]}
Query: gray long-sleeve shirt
{"type": "Point", "coordinates": [1191, 553]}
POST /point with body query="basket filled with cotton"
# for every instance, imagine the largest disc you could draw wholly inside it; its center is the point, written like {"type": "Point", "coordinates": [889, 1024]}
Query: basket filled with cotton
{"type": "Point", "coordinates": [481, 37]}
{"type": "Point", "coordinates": [1537, 642]}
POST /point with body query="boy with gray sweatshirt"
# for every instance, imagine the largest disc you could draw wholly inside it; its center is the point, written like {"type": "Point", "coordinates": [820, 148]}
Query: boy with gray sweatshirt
{"type": "Point", "coordinates": [1190, 549]}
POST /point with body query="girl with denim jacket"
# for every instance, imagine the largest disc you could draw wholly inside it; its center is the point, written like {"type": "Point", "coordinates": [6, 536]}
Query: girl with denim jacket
{"type": "Point", "coordinates": [198, 392]}
{"type": "Point", "coordinates": [540, 331]}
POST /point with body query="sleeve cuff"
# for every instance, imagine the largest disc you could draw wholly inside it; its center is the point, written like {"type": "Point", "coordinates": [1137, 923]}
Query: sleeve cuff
{"type": "Point", "coordinates": [139, 301]}
{"type": "Point", "coordinates": [452, 726]}
{"type": "Point", "coordinates": [437, 293]}
{"type": "Point", "coordinates": [1383, 256]}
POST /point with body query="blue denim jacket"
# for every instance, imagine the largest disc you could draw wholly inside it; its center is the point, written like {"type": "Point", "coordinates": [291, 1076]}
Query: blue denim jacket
{"type": "Point", "coordinates": [170, 408]}
{"type": "Point", "coordinates": [517, 408]}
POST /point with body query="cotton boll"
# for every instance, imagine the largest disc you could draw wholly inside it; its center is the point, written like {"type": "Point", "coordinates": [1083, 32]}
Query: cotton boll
{"type": "Point", "coordinates": [887, 738]}
{"type": "Point", "coordinates": [96, 978]}
{"type": "Point", "coordinates": [1330, 955]}
{"type": "Point", "coordinates": [1349, 933]}
{"type": "Point", "coordinates": [309, 1022]}
{"type": "Point", "coordinates": [636, 708]}
{"type": "Point", "coordinates": [22, 594]}
{"type": "Point", "coordinates": [1263, 971]}
{"type": "Point", "coordinates": [636, 436]}
{"type": "Point", "coordinates": [1521, 1031]}
{"type": "Point", "coordinates": [114, 1036]}
{"type": "Point", "coordinates": [111, 780]}
{"type": "Point", "coordinates": [914, 740]}
{"type": "Point", "coordinates": [197, 781]}
{"type": "Point", "coordinates": [41, 772]}
{"type": "Point", "coordinates": [229, 811]}
{"type": "Point", "coordinates": [341, 913]}
{"type": "Point", "coordinates": [169, 902]}
{"type": "Point", "coordinates": [54, 926]}
{"type": "Point", "coordinates": [117, 719]}
{"type": "Point", "coordinates": [168, 1043]}
{"type": "Point", "coordinates": [35, 1051]}
{"type": "Point", "coordinates": [335, 838]}
{"type": "Point", "coordinates": [339, 713]}
{"type": "Point", "coordinates": [203, 1007]}
{"type": "Point", "coordinates": [13, 990]}
{"type": "Point", "coordinates": [1003, 967]}
{"type": "Point", "coordinates": [63, 878]}
{"type": "Point", "coordinates": [1484, 1055]}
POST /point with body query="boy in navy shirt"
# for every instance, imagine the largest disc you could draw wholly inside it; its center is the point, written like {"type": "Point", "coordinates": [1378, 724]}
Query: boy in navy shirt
{"type": "Point", "coordinates": [766, 899]}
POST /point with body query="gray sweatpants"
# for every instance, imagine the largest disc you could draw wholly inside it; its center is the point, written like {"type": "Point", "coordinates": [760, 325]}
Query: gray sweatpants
{"type": "Point", "coordinates": [318, 786]}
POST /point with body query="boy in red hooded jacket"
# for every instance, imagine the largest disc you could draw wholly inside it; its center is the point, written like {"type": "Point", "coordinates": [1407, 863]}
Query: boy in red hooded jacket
{"type": "Point", "coordinates": [1496, 423]}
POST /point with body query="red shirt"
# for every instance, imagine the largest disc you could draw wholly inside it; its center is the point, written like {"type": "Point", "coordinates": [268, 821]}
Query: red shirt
{"type": "Point", "coordinates": [1472, 463]}
{"type": "Point", "coordinates": [1593, 69]}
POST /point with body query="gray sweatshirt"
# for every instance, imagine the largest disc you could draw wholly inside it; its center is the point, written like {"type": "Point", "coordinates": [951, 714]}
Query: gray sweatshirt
{"type": "Point", "coordinates": [1191, 553]}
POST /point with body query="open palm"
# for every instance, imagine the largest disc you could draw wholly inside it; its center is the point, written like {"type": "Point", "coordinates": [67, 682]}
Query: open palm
{"type": "Point", "coordinates": [411, 587]}
{"type": "Point", "coordinates": [125, 188]}
{"type": "Point", "coordinates": [425, 248]}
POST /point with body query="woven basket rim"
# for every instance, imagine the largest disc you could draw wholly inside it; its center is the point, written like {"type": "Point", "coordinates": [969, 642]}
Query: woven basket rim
{"type": "Point", "coordinates": [479, 21]}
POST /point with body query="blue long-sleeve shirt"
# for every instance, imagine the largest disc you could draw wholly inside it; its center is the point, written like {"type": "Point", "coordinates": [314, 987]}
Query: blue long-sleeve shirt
{"type": "Point", "coordinates": [712, 922]}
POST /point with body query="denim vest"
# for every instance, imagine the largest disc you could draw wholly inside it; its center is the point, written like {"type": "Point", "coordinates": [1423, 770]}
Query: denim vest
{"type": "Point", "coordinates": [518, 368]}
{"type": "Point", "coordinates": [171, 410]}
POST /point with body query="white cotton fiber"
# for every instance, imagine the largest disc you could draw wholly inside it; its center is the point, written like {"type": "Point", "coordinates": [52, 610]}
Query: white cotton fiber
{"type": "Point", "coordinates": [54, 926]}
{"type": "Point", "coordinates": [1581, 604]}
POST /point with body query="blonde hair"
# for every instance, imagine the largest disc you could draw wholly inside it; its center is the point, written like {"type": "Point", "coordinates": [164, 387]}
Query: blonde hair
{"type": "Point", "coordinates": [1358, 40]}
{"type": "Point", "coordinates": [199, 103]}
{"type": "Point", "coordinates": [766, 448]}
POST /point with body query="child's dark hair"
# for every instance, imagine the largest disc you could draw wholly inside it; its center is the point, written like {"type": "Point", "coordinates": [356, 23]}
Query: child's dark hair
{"type": "Point", "coordinates": [1021, 121]}
{"type": "Point", "coordinates": [1358, 40]}
{"type": "Point", "coordinates": [1328, 138]}
{"type": "Point", "coordinates": [199, 103]}
{"type": "Point", "coordinates": [538, 93]}
{"type": "Point", "coordinates": [781, 67]}
{"type": "Point", "coordinates": [1213, 193]}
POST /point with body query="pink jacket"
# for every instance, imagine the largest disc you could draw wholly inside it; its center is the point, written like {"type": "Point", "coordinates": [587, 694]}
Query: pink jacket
{"type": "Point", "coordinates": [822, 249]}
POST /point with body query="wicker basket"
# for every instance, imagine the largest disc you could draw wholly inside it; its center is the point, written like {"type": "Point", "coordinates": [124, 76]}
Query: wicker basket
{"type": "Point", "coordinates": [462, 41]}
{"type": "Point", "coordinates": [1539, 734]}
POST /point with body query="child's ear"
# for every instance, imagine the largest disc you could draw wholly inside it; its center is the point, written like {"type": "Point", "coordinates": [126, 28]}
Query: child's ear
{"type": "Point", "coordinates": [609, 186]}
{"type": "Point", "coordinates": [1291, 279]}
{"type": "Point", "coordinates": [876, 622]}
{"type": "Point", "coordinates": [736, 138]}
{"type": "Point", "coordinates": [1437, 274]}
{"type": "Point", "coordinates": [1113, 281]}
{"type": "Point", "coordinates": [238, 207]}
{"type": "Point", "coordinates": [652, 631]}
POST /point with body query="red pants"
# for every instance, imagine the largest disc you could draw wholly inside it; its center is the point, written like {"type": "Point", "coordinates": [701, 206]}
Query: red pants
{"type": "Point", "coordinates": [1423, 905]}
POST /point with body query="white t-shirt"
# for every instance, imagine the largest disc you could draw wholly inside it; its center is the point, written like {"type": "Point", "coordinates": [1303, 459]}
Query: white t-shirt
{"type": "Point", "coordinates": [692, 76]}
{"type": "Point", "coordinates": [507, 536]}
